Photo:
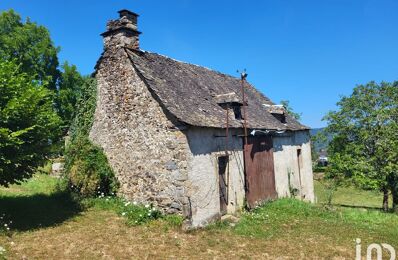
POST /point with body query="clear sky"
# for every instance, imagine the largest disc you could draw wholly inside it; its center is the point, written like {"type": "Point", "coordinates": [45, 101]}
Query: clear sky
{"type": "Point", "coordinates": [308, 52]}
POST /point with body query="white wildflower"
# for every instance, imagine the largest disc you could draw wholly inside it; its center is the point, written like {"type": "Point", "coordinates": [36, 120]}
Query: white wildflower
{"type": "Point", "coordinates": [147, 206]}
{"type": "Point", "coordinates": [5, 225]}
{"type": "Point", "coordinates": [126, 204]}
{"type": "Point", "coordinates": [124, 213]}
{"type": "Point", "coordinates": [2, 250]}
{"type": "Point", "coordinates": [135, 202]}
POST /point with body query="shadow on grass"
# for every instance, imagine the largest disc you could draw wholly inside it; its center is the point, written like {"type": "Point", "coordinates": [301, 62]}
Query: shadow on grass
{"type": "Point", "coordinates": [358, 207]}
{"type": "Point", "coordinates": [39, 210]}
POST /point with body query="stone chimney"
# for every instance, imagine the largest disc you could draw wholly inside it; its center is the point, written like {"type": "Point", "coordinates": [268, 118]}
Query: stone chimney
{"type": "Point", "coordinates": [122, 32]}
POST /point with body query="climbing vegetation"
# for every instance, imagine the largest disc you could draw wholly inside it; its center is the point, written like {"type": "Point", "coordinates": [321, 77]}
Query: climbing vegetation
{"type": "Point", "coordinates": [87, 167]}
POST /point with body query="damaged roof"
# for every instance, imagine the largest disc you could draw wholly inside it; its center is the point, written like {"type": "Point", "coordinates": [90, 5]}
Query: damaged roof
{"type": "Point", "coordinates": [191, 93]}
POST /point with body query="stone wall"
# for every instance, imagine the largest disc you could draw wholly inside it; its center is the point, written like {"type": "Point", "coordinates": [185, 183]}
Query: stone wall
{"type": "Point", "coordinates": [286, 162]}
{"type": "Point", "coordinates": [144, 147]}
{"type": "Point", "coordinates": [157, 160]}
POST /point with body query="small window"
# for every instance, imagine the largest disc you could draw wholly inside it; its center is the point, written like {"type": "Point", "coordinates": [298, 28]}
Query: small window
{"type": "Point", "coordinates": [280, 117]}
{"type": "Point", "coordinates": [237, 112]}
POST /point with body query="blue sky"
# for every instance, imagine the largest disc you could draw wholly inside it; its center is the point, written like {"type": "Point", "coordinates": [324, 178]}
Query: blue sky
{"type": "Point", "coordinates": [308, 52]}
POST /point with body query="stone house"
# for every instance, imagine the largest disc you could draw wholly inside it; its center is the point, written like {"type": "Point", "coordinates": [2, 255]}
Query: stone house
{"type": "Point", "coordinates": [191, 140]}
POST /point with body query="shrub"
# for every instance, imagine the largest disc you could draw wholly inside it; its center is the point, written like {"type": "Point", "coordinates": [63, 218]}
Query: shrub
{"type": "Point", "coordinates": [86, 166]}
{"type": "Point", "coordinates": [88, 169]}
{"type": "Point", "coordinates": [318, 168]}
{"type": "Point", "coordinates": [46, 168]}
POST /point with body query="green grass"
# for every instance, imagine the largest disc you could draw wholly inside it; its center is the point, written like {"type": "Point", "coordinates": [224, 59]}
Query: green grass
{"type": "Point", "coordinates": [47, 220]}
{"type": "Point", "coordinates": [44, 201]}
{"type": "Point", "coordinates": [37, 202]}
{"type": "Point", "coordinates": [290, 217]}
{"type": "Point", "coordinates": [350, 197]}
{"type": "Point", "coordinates": [134, 213]}
{"type": "Point", "coordinates": [38, 184]}
{"type": "Point", "coordinates": [354, 210]}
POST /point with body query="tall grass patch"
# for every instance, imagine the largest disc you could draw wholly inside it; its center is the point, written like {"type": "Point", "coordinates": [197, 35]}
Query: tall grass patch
{"type": "Point", "coordinates": [134, 213]}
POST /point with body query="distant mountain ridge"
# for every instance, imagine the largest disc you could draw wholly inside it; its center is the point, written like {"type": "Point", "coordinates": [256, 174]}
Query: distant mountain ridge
{"type": "Point", "coordinates": [318, 145]}
{"type": "Point", "coordinates": [314, 131]}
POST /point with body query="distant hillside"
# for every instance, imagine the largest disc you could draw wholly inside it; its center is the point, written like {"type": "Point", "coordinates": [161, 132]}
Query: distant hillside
{"type": "Point", "coordinates": [320, 145]}
{"type": "Point", "coordinates": [314, 131]}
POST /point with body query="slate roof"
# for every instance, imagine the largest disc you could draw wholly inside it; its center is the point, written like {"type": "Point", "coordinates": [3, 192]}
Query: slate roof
{"type": "Point", "coordinates": [190, 93]}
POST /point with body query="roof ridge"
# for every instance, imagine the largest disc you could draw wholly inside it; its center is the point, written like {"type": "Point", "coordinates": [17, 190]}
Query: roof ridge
{"type": "Point", "coordinates": [186, 89]}
{"type": "Point", "coordinates": [184, 62]}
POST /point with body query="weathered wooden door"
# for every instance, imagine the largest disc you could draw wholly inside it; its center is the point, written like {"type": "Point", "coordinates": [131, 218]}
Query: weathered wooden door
{"type": "Point", "coordinates": [259, 170]}
{"type": "Point", "coordinates": [223, 183]}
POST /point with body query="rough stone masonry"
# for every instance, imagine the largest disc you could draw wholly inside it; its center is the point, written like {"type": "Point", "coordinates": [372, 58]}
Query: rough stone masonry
{"type": "Point", "coordinates": [143, 144]}
{"type": "Point", "coordinates": [163, 130]}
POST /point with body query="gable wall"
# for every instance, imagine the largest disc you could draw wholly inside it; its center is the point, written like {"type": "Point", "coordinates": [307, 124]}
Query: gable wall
{"type": "Point", "coordinates": [286, 161]}
{"type": "Point", "coordinates": [148, 156]}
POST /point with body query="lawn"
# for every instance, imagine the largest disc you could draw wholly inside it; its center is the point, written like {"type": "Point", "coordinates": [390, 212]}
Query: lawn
{"type": "Point", "coordinates": [350, 197]}
{"type": "Point", "coordinates": [49, 224]}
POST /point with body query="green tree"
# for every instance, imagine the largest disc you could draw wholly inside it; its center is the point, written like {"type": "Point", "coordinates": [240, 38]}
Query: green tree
{"type": "Point", "coordinates": [69, 85]}
{"type": "Point", "coordinates": [31, 46]}
{"type": "Point", "coordinates": [365, 133]}
{"type": "Point", "coordinates": [28, 123]}
{"type": "Point", "coordinates": [290, 110]}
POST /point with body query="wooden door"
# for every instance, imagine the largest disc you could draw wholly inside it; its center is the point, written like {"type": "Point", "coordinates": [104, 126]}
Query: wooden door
{"type": "Point", "coordinates": [223, 183]}
{"type": "Point", "coordinates": [259, 170]}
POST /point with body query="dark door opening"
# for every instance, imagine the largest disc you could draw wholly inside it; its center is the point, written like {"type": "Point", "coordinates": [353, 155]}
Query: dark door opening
{"type": "Point", "coordinates": [223, 183]}
{"type": "Point", "coordinates": [259, 170]}
{"type": "Point", "coordinates": [300, 164]}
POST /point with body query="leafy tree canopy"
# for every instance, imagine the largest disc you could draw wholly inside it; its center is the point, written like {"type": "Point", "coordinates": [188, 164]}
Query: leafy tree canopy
{"type": "Point", "coordinates": [290, 110]}
{"type": "Point", "coordinates": [33, 91]}
{"type": "Point", "coordinates": [70, 84]}
{"type": "Point", "coordinates": [31, 46]}
{"type": "Point", "coordinates": [28, 123]}
{"type": "Point", "coordinates": [365, 136]}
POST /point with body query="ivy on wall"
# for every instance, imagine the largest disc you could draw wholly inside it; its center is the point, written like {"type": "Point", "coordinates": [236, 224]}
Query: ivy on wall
{"type": "Point", "coordinates": [86, 165]}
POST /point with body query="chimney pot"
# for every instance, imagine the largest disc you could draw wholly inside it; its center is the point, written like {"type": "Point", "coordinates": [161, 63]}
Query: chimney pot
{"type": "Point", "coordinates": [122, 32]}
